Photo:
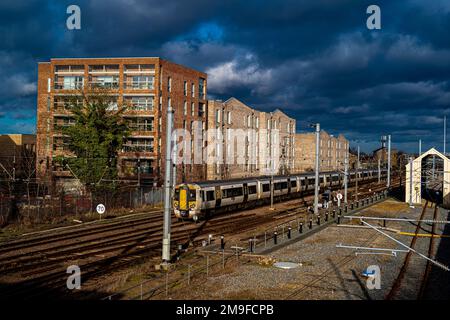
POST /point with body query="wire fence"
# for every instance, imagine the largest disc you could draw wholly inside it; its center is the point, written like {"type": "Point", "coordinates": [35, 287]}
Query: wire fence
{"type": "Point", "coordinates": [43, 207]}
{"type": "Point", "coordinates": [175, 277]}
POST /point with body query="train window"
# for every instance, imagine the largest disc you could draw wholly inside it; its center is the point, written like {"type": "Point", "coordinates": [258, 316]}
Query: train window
{"type": "Point", "coordinates": [281, 185]}
{"type": "Point", "coordinates": [210, 195]}
{"type": "Point", "coordinates": [177, 194]}
{"type": "Point", "coordinates": [266, 187]}
{"type": "Point", "coordinates": [251, 189]}
{"type": "Point", "coordinates": [293, 184]}
{"type": "Point", "coordinates": [192, 194]}
{"type": "Point", "coordinates": [232, 192]}
{"type": "Point", "coordinates": [335, 178]}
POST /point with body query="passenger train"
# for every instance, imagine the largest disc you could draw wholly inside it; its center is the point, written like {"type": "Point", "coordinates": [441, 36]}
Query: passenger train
{"type": "Point", "coordinates": [198, 200]}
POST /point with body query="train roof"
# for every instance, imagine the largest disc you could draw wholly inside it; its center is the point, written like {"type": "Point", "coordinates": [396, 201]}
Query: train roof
{"type": "Point", "coordinates": [265, 177]}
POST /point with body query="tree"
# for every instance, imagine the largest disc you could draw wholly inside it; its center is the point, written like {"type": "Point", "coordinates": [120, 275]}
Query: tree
{"type": "Point", "coordinates": [94, 139]}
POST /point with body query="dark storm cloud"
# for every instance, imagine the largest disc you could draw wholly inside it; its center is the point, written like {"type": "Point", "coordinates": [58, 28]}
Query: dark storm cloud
{"type": "Point", "coordinates": [314, 59]}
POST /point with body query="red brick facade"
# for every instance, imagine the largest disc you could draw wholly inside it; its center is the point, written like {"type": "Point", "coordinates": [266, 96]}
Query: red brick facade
{"type": "Point", "coordinates": [140, 82]}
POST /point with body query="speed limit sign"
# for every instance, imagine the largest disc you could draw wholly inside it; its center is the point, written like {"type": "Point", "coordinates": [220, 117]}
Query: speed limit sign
{"type": "Point", "coordinates": [101, 209]}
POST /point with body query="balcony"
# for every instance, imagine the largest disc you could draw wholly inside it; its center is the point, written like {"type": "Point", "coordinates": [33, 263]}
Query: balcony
{"type": "Point", "coordinates": [104, 83]}
{"type": "Point", "coordinates": [139, 68]}
{"type": "Point", "coordinates": [139, 83]}
{"type": "Point", "coordinates": [146, 85]}
{"type": "Point", "coordinates": [69, 84]}
{"type": "Point", "coordinates": [104, 68]}
{"type": "Point", "coordinates": [137, 148]}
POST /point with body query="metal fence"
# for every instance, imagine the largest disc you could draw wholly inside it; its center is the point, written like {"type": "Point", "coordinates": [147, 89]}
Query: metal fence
{"type": "Point", "coordinates": [177, 276]}
{"type": "Point", "coordinates": [47, 207]}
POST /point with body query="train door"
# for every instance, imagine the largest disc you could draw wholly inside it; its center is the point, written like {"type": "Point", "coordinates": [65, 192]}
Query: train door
{"type": "Point", "coordinates": [184, 194]}
{"type": "Point", "coordinates": [289, 185]}
{"type": "Point", "coordinates": [245, 192]}
{"type": "Point", "coordinates": [218, 193]}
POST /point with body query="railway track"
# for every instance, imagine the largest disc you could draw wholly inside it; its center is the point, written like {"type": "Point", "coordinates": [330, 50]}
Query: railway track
{"type": "Point", "coordinates": [431, 247]}
{"type": "Point", "coordinates": [37, 265]}
{"type": "Point", "coordinates": [399, 279]}
{"type": "Point", "coordinates": [406, 263]}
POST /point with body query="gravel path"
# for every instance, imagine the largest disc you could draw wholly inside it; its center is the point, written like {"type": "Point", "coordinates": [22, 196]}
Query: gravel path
{"type": "Point", "coordinates": [327, 272]}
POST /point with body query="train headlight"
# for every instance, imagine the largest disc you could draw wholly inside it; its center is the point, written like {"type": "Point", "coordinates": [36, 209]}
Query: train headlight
{"type": "Point", "coordinates": [192, 206]}
{"type": "Point", "coordinates": [176, 204]}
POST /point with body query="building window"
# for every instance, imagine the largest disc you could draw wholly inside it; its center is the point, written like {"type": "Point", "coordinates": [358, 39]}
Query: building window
{"type": "Point", "coordinates": [104, 82]}
{"type": "Point", "coordinates": [139, 82]}
{"type": "Point", "coordinates": [201, 109]}
{"type": "Point", "coordinates": [202, 88]}
{"type": "Point", "coordinates": [139, 103]}
{"type": "Point", "coordinates": [193, 90]}
{"type": "Point", "coordinates": [229, 117]}
{"type": "Point", "coordinates": [169, 84]}
{"type": "Point", "coordinates": [218, 115]}
{"type": "Point", "coordinates": [192, 109]}
{"type": "Point", "coordinates": [138, 145]}
{"type": "Point", "coordinates": [112, 106]}
{"type": "Point", "coordinates": [140, 124]}
{"type": "Point", "coordinates": [185, 88]}
{"type": "Point", "coordinates": [131, 166]}
{"type": "Point", "coordinates": [69, 82]}
{"type": "Point", "coordinates": [185, 108]}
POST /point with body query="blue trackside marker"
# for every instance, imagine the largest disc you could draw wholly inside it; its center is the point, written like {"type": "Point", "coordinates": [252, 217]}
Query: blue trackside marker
{"type": "Point", "coordinates": [368, 274]}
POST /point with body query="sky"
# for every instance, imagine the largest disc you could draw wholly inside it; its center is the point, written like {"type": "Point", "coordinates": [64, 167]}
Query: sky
{"type": "Point", "coordinates": [315, 60]}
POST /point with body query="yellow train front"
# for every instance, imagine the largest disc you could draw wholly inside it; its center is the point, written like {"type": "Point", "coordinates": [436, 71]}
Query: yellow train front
{"type": "Point", "coordinates": [185, 201]}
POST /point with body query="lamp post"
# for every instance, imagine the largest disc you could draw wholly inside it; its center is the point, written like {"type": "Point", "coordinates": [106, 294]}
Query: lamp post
{"type": "Point", "coordinates": [167, 188]}
{"type": "Point", "coordinates": [316, 182]}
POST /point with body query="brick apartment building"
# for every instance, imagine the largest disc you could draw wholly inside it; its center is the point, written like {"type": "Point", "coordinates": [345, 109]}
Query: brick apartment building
{"type": "Point", "coordinates": [17, 156]}
{"type": "Point", "coordinates": [333, 151]}
{"type": "Point", "coordinates": [242, 144]}
{"type": "Point", "coordinates": [146, 85]}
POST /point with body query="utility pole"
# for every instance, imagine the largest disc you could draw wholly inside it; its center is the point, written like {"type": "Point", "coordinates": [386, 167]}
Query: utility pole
{"type": "Point", "coordinates": [316, 182]}
{"type": "Point", "coordinates": [167, 188]}
{"type": "Point", "coordinates": [345, 177]}
{"type": "Point", "coordinates": [379, 170]}
{"type": "Point", "coordinates": [139, 180]}
{"type": "Point", "coordinates": [445, 133]}
{"type": "Point", "coordinates": [388, 184]}
{"type": "Point", "coordinates": [271, 185]}
{"type": "Point", "coordinates": [420, 147]}
{"type": "Point", "coordinates": [433, 170]}
{"type": "Point", "coordinates": [175, 160]}
{"type": "Point", "coordinates": [357, 177]}
{"type": "Point", "coordinates": [410, 181]}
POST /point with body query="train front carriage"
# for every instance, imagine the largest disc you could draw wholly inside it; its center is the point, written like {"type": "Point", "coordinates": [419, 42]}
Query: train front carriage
{"type": "Point", "coordinates": [187, 201]}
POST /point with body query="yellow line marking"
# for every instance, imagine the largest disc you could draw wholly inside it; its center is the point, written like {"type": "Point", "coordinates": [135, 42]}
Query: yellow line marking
{"type": "Point", "coordinates": [429, 235]}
